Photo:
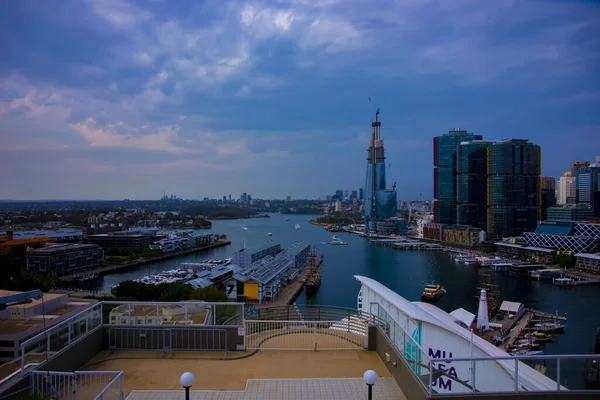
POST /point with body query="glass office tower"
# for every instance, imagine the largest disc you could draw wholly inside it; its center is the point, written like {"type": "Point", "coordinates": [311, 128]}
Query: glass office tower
{"type": "Point", "coordinates": [514, 190]}
{"type": "Point", "coordinates": [380, 203]}
{"type": "Point", "coordinates": [471, 183]}
{"type": "Point", "coordinates": [444, 173]}
{"type": "Point", "coordinates": [588, 188]}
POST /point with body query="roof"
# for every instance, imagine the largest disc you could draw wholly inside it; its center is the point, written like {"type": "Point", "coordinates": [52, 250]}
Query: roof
{"type": "Point", "coordinates": [19, 242]}
{"type": "Point", "coordinates": [464, 316]}
{"type": "Point", "coordinates": [588, 255]}
{"type": "Point", "coordinates": [511, 306]}
{"type": "Point", "coordinates": [104, 235]}
{"type": "Point", "coordinates": [554, 229]}
{"type": "Point", "coordinates": [61, 247]}
{"type": "Point", "coordinates": [530, 248]}
{"type": "Point", "coordinates": [260, 247]}
{"type": "Point", "coordinates": [431, 314]}
{"type": "Point", "coordinates": [297, 248]}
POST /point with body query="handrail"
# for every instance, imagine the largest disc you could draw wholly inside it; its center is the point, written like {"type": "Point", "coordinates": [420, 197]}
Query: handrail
{"type": "Point", "coordinates": [539, 357]}
{"type": "Point", "coordinates": [208, 303]}
{"type": "Point", "coordinates": [119, 375]}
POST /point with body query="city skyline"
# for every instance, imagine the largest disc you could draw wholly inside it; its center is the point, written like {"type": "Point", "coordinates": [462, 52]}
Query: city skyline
{"type": "Point", "coordinates": [108, 99]}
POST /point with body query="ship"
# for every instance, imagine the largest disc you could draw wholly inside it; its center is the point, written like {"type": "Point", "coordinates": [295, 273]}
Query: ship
{"type": "Point", "coordinates": [432, 293]}
{"type": "Point", "coordinates": [337, 241]}
{"type": "Point", "coordinates": [592, 365]}
{"type": "Point", "coordinates": [313, 279]}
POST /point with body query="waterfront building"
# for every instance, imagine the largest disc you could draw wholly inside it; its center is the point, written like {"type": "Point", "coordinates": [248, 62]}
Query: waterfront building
{"type": "Point", "coordinates": [588, 188]}
{"type": "Point", "coordinates": [514, 191]}
{"type": "Point", "coordinates": [576, 165]}
{"type": "Point", "coordinates": [567, 189]}
{"type": "Point", "coordinates": [298, 253]}
{"type": "Point", "coordinates": [108, 240]}
{"type": "Point", "coordinates": [445, 172]}
{"type": "Point", "coordinates": [463, 236]}
{"type": "Point", "coordinates": [64, 258]}
{"type": "Point", "coordinates": [151, 314]}
{"type": "Point", "coordinates": [244, 257]}
{"type": "Point", "coordinates": [263, 280]}
{"type": "Point", "coordinates": [588, 261]}
{"type": "Point", "coordinates": [421, 223]}
{"type": "Point", "coordinates": [471, 183]}
{"type": "Point", "coordinates": [380, 202]}
{"type": "Point", "coordinates": [548, 184]}
{"type": "Point", "coordinates": [25, 314]}
{"type": "Point", "coordinates": [566, 213]}
{"type": "Point", "coordinates": [434, 231]}
{"type": "Point", "coordinates": [576, 237]}
{"type": "Point", "coordinates": [537, 254]}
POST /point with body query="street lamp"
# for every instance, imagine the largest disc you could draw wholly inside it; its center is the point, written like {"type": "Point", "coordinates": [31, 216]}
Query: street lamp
{"type": "Point", "coordinates": [370, 378]}
{"type": "Point", "coordinates": [187, 380]}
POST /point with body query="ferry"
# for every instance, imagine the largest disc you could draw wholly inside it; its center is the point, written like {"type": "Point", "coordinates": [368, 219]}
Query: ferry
{"type": "Point", "coordinates": [432, 293]}
{"type": "Point", "coordinates": [337, 241]}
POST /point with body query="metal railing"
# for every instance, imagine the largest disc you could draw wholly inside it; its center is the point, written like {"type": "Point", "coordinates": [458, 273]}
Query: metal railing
{"type": "Point", "coordinates": [78, 385]}
{"type": "Point", "coordinates": [306, 335]}
{"type": "Point", "coordinates": [167, 338]}
{"type": "Point", "coordinates": [45, 345]}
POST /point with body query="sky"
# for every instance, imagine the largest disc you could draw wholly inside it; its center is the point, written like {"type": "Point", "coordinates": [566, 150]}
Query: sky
{"type": "Point", "coordinates": [114, 99]}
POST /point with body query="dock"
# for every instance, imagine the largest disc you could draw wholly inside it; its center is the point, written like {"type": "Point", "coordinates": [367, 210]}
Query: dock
{"type": "Point", "coordinates": [404, 244]}
{"type": "Point", "coordinates": [110, 268]}
{"type": "Point", "coordinates": [290, 292]}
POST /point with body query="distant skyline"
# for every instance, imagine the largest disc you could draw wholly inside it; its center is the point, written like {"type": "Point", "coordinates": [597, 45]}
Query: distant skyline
{"type": "Point", "coordinates": [115, 99]}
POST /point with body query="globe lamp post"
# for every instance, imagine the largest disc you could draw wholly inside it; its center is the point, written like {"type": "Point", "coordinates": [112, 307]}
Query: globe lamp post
{"type": "Point", "coordinates": [370, 378]}
{"type": "Point", "coordinates": [187, 380]}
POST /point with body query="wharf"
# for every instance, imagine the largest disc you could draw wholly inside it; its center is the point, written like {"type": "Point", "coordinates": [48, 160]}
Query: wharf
{"type": "Point", "coordinates": [110, 268]}
{"type": "Point", "coordinates": [515, 331]}
{"type": "Point", "coordinates": [513, 328]}
{"type": "Point", "coordinates": [290, 292]}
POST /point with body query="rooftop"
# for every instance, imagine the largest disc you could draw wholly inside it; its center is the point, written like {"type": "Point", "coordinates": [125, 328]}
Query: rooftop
{"type": "Point", "coordinates": [60, 247]}
{"type": "Point", "coordinates": [259, 247]}
{"type": "Point", "coordinates": [519, 246]}
{"type": "Point", "coordinates": [18, 242]}
{"type": "Point", "coordinates": [296, 248]}
{"type": "Point", "coordinates": [588, 255]}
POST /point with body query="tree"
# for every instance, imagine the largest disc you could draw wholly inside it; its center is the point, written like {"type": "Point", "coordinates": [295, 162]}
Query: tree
{"type": "Point", "coordinates": [210, 294]}
{"type": "Point", "coordinates": [566, 260]}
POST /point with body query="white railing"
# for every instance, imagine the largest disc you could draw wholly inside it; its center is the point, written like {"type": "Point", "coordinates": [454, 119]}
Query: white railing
{"type": "Point", "coordinates": [78, 385]}
{"type": "Point", "coordinates": [306, 335]}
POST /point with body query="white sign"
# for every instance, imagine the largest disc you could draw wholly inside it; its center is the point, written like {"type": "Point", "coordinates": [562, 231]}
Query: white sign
{"type": "Point", "coordinates": [241, 331]}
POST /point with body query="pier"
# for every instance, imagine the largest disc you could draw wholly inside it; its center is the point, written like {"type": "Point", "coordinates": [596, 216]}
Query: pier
{"type": "Point", "coordinates": [110, 268]}
{"type": "Point", "coordinates": [403, 244]}
{"type": "Point", "coordinates": [290, 292]}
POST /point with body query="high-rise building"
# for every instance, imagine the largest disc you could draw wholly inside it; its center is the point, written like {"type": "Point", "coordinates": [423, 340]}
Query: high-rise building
{"type": "Point", "coordinates": [471, 183]}
{"type": "Point", "coordinates": [575, 165]}
{"type": "Point", "coordinates": [567, 193]}
{"type": "Point", "coordinates": [338, 206]}
{"type": "Point", "coordinates": [224, 199]}
{"type": "Point", "coordinates": [514, 190]}
{"type": "Point", "coordinates": [444, 173]}
{"type": "Point", "coordinates": [548, 184]}
{"type": "Point", "coordinates": [361, 194]}
{"type": "Point", "coordinates": [354, 194]}
{"type": "Point", "coordinates": [380, 203]}
{"type": "Point", "coordinates": [588, 188]}
{"type": "Point", "coordinates": [229, 197]}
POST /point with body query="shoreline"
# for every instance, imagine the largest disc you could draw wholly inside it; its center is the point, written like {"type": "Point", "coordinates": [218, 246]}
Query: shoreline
{"type": "Point", "coordinates": [113, 268]}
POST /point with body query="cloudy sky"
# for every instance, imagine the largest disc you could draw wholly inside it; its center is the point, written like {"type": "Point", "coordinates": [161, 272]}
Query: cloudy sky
{"type": "Point", "coordinates": [117, 99]}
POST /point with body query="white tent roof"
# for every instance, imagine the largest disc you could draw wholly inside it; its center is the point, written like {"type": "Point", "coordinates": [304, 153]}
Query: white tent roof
{"type": "Point", "coordinates": [464, 316]}
{"type": "Point", "coordinates": [510, 306]}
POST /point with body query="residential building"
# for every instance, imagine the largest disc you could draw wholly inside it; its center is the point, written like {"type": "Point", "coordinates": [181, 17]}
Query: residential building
{"type": "Point", "coordinates": [64, 258]}
{"type": "Point", "coordinates": [567, 189]}
{"type": "Point", "coordinates": [463, 236]}
{"type": "Point", "coordinates": [380, 203]}
{"type": "Point", "coordinates": [548, 184]}
{"type": "Point", "coordinates": [588, 261]}
{"type": "Point", "coordinates": [588, 188]}
{"type": "Point", "coordinates": [575, 165]}
{"type": "Point", "coordinates": [444, 173]}
{"type": "Point", "coordinates": [434, 231]}
{"type": "Point", "coordinates": [566, 213]}
{"type": "Point", "coordinates": [108, 240]}
{"type": "Point", "coordinates": [471, 183]}
{"type": "Point", "coordinates": [244, 257]}
{"type": "Point", "coordinates": [514, 191]}
{"type": "Point", "coordinates": [576, 237]}
{"type": "Point", "coordinates": [25, 314]}
{"type": "Point", "coordinates": [338, 206]}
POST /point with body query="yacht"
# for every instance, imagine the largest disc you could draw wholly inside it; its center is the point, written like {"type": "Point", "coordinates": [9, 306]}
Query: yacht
{"type": "Point", "coordinates": [337, 241]}
{"type": "Point", "coordinates": [297, 227]}
{"type": "Point", "coordinates": [269, 234]}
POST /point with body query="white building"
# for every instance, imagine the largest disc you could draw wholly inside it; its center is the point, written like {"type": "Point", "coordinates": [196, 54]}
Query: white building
{"type": "Point", "coordinates": [588, 261]}
{"type": "Point", "coordinates": [567, 190]}
{"type": "Point", "coordinates": [156, 314]}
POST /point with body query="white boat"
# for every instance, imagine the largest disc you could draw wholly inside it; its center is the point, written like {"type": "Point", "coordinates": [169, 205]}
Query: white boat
{"type": "Point", "coordinates": [244, 228]}
{"type": "Point", "coordinates": [337, 241]}
{"type": "Point", "coordinates": [297, 227]}
{"type": "Point", "coordinates": [269, 234]}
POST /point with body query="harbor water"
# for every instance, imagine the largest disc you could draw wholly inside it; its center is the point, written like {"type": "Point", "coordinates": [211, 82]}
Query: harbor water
{"type": "Point", "coordinates": [405, 272]}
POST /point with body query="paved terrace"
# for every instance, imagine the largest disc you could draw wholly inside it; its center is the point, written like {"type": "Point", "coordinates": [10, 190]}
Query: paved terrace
{"type": "Point", "coordinates": [153, 375]}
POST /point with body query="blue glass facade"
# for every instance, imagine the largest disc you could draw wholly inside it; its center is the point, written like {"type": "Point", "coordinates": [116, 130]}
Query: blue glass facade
{"type": "Point", "coordinates": [513, 187]}
{"type": "Point", "coordinates": [444, 173]}
{"type": "Point", "coordinates": [471, 183]}
{"type": "Point", "coordinates": [380, 203]}
{"type": "Point", "coordinates": [588, 188]}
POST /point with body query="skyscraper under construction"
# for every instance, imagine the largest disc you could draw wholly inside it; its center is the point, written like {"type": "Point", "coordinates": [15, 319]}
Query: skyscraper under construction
{"type": "Point", "coordinates": [380, 203]}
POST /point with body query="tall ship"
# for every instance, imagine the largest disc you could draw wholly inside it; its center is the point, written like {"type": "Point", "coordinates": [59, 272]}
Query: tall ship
{"type": "Point", "coordinates": [493, 295]}
{"type": "Point", "coordinates": [313, 279]}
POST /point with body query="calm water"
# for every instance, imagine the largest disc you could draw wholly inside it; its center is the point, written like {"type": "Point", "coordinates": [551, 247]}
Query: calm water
{"type": "Point", "coordinates": [405, 272]}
